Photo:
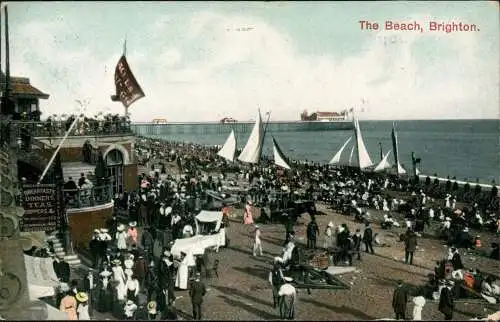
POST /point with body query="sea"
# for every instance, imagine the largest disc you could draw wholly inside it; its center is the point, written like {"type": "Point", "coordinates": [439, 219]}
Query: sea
{"type": "Point", "coordinates": [468, 150]}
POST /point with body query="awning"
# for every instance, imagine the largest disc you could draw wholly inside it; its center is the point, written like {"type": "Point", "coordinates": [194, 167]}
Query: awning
{"type": "Point", "coordinates": [42, 279]}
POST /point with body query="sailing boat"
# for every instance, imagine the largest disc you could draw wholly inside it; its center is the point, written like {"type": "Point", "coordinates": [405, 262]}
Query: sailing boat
{"type": "Point", "coordinates": [336, 157]}
{"type": "Point", "coordinates": [384, 163]}
{"type": "Point", "coordinates": [228, 150]}
{"type": "Point", "coordinates": [253, 149]}
{"type": "Point", "coordinates": [279, 157]}
{"type": "Point", "coordinates": [398, 168]}
{"type": "Point", "coordinates": [361, 157]}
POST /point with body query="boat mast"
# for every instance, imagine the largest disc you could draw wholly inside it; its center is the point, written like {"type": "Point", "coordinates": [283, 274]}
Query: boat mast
{"type": "Point", "coordinates": [264, 133]}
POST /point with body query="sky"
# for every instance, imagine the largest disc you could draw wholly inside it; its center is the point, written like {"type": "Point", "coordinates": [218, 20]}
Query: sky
{"type": "Point", "coordinates": [202, 61]}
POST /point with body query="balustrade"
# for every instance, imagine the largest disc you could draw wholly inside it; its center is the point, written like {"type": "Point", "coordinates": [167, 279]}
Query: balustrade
{"type": "Point", "coordinates": [88, 197]}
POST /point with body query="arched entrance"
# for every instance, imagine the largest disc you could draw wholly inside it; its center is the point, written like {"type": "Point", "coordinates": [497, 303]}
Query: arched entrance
{"type": "Point", "coordinates": [114, 169]}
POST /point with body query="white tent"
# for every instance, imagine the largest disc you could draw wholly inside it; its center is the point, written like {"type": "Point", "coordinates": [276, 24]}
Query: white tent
{"type": "Point", "coordinates": [208, 217]}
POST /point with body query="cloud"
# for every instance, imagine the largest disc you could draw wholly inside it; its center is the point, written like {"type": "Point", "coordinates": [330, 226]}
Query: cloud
{"type": "Point", "coordinates": [220, 65]}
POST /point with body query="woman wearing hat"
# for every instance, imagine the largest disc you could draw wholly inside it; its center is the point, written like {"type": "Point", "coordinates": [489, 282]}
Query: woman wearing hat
{"type": "Point", "coordinates": [152, 312]}
{"type": "Point", "coordinates": [83, 306]}
{"type": "Point", "coordinates": [329, 232]}
{"type": "Point", "coordinates": [181, 281]}
{"type": "Point", "coordinates": [121, 238]}
{"type": "Point", "coordinates": [247, 216]}
{"type": "Point", "coordinates": [68, 306]}
{"type": "Point", "coordinates": [105, 293]}
{"type": "Point", "coordinates": [132, 233]}
{"type": "Point", "coordinates": [129, 310]}
{"type": "Point", "coordinates": [132, 288]}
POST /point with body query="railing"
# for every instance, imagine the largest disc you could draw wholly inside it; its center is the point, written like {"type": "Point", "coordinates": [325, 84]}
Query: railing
{"type": "Point", "coordinates": [83, 128]}
{"type": "Point", "coordinates": [88, 197]}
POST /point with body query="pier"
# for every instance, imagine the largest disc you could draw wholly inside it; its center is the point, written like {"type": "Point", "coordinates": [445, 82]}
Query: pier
{"type": "Point", "coordinates": [147, 128]}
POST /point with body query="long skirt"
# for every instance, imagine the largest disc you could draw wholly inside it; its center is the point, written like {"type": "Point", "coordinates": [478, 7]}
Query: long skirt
{"type": "Point", "coordinates": [287, 307]}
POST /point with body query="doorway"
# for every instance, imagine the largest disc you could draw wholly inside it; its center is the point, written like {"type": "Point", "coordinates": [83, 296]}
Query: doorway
{"type": "Point", "coordinates": [114, 170]}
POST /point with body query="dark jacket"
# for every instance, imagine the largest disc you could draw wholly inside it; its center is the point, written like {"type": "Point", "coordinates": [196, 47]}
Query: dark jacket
{"type": "Point", "coordinates": [411, 242]}
{"type": "Point", "coordinates": [197, 291]}
{"type": "Point", "coordinates": [65, 271]}
{"type": "Point", "coordinates": [368, 235]}
{"type": "Point", "coordinates": [147, 240]}
{"type": "Point", "coordinates": [312, 230]}
{"type": "Point", "coordinates": [57, 269]}
{"type": "Point", "coordinates": [446, 302]}
{"type": "Point", "coordinates": [456, 261]}
{"type": "Point", "coordinates": [399, 299]}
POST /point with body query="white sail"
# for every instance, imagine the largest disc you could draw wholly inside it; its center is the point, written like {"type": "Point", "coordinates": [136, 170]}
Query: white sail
{"type": "Point", "coordinates": [279, 158]}
{"type": "Point", "coordinates": [363, 158]}
{"type": "Point", "coordinates": [336, 157]}
{"type": "Point", "coordinates": [228, 150]}
{"type": "Point", "coordinates": [352, 153]}
{"type": "Point", "coordinates": [252, 150]}
{"type": "Point", "coordinates": [384, 163]}
{"type": "Point", "coordinates": [400, 169]}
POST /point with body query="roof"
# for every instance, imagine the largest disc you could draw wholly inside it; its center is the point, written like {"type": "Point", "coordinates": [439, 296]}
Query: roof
{"type": "Point", "coordinates": [21, 87]}
{"type": "Point", "coordinates": [326, 114]}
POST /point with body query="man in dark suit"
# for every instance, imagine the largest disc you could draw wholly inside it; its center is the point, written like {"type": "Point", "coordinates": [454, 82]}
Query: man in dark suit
{"type": "Point", "coordinates": [410, 246]}
{"type": "Point", "coordinates": [368, 238]}
{"type": "Point", "coordinates": [446, 302]}
{"type": "Point", "coordinates": [197, 291]}
{"type": "Point", "coordinates": [65, 271]}
{"type": "Point", "coordinates": [399, 301]}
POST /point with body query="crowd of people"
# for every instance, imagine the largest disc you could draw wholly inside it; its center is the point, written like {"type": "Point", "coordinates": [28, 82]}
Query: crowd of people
{"type": "Point", "coordinates": [138, 277]}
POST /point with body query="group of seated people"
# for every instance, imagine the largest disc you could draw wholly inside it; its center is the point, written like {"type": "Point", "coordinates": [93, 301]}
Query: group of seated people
{"type": "Point", "coordinates": [465, 280]}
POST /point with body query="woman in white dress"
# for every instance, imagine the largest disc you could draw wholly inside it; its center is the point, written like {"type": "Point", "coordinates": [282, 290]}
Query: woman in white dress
{"type": "Point", "coordinates": [121, 238]}
{"type": "Point", "coordinates": [83, 306]}
{"type": "Point", "coordinates": [181, 280]}
{"type": "Point", "coordinates": [329, 232]}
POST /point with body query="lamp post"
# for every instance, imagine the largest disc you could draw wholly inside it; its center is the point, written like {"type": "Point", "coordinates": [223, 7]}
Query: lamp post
{"type": "Point", "coordinates": [381, 152]}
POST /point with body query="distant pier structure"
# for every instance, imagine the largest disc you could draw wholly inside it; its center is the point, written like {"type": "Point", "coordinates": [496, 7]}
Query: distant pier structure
{"type": "Point", "coordinates": [173, 128]}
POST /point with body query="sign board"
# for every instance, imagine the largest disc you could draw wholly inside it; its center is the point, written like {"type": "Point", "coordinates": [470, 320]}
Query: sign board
{"type": "Point", "coordinates": [43, 207]}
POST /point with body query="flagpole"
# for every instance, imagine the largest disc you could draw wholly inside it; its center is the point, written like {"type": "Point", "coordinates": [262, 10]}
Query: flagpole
{"type": "Point", "coordinates": [264, 134]}
{"type": "Point", "coordinates": [58, 148]}
{"type": "Point", "coordinates": [125, 54]}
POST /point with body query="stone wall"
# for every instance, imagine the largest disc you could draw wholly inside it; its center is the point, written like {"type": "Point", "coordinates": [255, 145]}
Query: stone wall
{"type": "Point", "coordinates": [15, 302]}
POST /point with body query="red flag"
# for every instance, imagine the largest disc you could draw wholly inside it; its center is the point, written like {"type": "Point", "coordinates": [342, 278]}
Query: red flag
{"type": "Point", "coordinates": [127, 89]}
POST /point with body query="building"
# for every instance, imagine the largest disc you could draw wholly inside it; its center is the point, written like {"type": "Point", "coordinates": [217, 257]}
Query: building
{"type": "Point", "coordinates": [108, 142]}
{"type": "Point", "coordinates": [25, 97]}
{"type": "Point", "coordinates": [323, 116]}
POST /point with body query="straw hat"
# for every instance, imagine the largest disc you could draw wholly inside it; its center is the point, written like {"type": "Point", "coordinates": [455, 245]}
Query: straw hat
{"type": "Point", "coordinates": [82, 297]}
{"type": "Point", "coordinates": [132, 223]}
{"type": "Point", "coordinates": [129, 303]}
{"type": "Point", "coordinates": [152, 307]}
{"type": "Point", "coordinates": [330, 224]}
{"type": "Point", "coordinates": [116, 262]}
{"type": "Point", "coordinates": [96, 231]}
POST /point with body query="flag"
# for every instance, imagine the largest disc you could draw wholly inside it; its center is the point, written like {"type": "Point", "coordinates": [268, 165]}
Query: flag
{"type": "Point", "coordinates": [127, 89]}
